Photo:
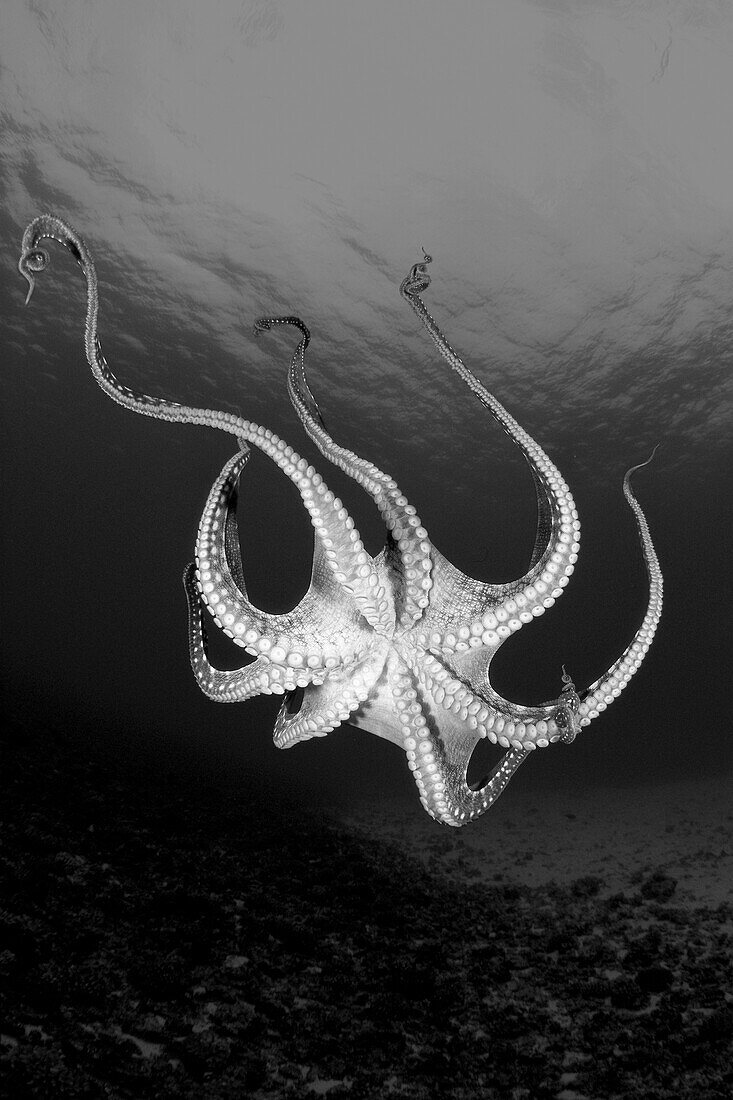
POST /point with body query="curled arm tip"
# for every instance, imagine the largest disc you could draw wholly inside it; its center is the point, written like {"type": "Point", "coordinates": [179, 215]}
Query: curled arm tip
{"type": "Point", "coordinates": [418, 279]}
{"type": "Point", "coordinates": [32, 261]}
{"type": "Point", "coordinates": [266, 324]}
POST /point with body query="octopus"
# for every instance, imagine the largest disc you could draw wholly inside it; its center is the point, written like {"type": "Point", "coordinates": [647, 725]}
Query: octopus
{"type": "Point", "coordinates": [400, 644]}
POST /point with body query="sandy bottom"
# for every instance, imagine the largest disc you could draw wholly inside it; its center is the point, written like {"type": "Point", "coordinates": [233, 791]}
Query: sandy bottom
{"type": "Point", "coordinates": [620, 835]}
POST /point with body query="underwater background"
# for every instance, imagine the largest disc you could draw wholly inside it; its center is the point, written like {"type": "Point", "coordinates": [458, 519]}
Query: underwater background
{"type": "Point", "coordinates": [569, 166]}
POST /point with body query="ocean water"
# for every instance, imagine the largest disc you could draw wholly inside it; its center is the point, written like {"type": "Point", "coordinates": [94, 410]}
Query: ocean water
{"type": "Point", "coordinates": [568, 167]}
{"type": "Point", "coordinates": [582, 268]}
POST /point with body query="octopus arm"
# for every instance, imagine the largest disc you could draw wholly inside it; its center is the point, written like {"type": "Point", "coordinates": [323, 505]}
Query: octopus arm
{"type": "Point", "coordinates": [298, 646]}
{"type": "Point", "coordinates": [315, 710]}
{"type": "Point", "coordinates": [461, 685]}
{"type": "Point", "coordinates": [350, 564]}
{"type": "Point", "coordinates": [440, 743]}
{"type": "Point", "coordinates": [409, 545]}
{"type": "Point", "coordinates": [609, 686]}
{"type": "Point", "coordinates": [555, 503]}
{"type": "Point", "coordinates": [232, 686]}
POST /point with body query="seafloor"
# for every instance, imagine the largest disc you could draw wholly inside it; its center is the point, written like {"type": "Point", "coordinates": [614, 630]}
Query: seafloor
{"type": "Point", "coordinates": [164, 940]}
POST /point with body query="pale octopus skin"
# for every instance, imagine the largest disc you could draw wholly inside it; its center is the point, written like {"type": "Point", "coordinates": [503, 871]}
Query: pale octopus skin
{"type": "Point", "coordinates": [401, 644]}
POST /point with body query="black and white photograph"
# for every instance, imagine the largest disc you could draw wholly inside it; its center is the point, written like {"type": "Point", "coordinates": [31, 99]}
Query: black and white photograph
{"type": "Point", "coordinates": [367, 451]}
